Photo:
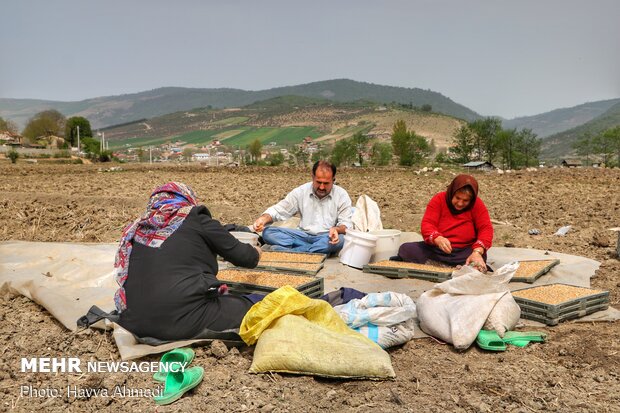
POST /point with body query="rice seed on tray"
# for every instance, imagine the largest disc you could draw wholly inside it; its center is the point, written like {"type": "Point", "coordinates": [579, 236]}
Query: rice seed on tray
{"type": "Point", "coordinates": [554, 293]}
{"type": "Point", "coordinates": [291, 257]}
{"type": "Point", "coordinates": [263, 278]}
{"type": "Point", "coordinates": [412, 266]}
{"type": "Point", "coordinates": [286, 264]}
{"type": "Point", "coordinates": [529, 268]}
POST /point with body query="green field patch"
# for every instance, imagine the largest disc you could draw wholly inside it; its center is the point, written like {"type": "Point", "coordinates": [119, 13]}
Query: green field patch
{"type": "Point", "coordinates": [235, 120]}
{"type": "Point", "coordinates": [353, 129]}
{"type": "Point", "coordinates": [197, 137]}
{"type": "Point", "coordinates": [137, 142]}
{"type": "Point", "coordinates": [281, 136]}
{"type": "Point", "coordinates": [232, 137]}
{"type": "Point", "coordinates": [228, 134]}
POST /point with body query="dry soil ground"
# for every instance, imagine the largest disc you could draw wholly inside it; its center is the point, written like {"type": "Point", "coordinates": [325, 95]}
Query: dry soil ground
{"type": "Point", "coordinates": [577, 370]}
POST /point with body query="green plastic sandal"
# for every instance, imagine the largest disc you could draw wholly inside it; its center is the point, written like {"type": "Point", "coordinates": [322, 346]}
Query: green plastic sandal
{"type": "Point", "coordinates": [490, 340]}
{"type": "Point", "coordinates": [178, 383]}
{"type": "Point", "coordinates": [178, 355]}
{"type": "Point", "coordinates": [523, 338]}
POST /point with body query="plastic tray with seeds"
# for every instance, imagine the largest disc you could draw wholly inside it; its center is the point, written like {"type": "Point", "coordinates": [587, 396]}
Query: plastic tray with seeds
{"type": "Point", "coordinates": [264, 282]}
{"type": "Point", "coordinates": [530, 271]}
{"type": "Point", "coordinates": [288, 256]}
{"type": "Point", "coordinates": [553, 303]}
{"type": "Point", "coordinates": [401, 269]}
{"type": "Point", "coordinates": [297, 267]}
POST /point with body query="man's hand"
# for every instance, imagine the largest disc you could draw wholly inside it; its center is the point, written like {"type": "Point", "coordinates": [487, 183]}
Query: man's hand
{"type": "Point", "coordinates": [261, 221]}
{"type": "Point", "coordinates": [443, 244]}
{"type": "Point", "coordinates": [333, 236]}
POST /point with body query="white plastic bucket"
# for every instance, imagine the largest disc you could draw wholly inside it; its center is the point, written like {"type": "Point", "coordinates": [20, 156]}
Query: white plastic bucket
{"type": "Point", "coordinates": [245, 237]}
{"type": "Point", "coordinates": [358, 248]}
{"type": "Point", "coordinates": [388, 243]}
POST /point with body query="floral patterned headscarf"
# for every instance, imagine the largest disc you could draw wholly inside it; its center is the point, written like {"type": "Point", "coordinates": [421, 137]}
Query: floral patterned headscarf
{"type": "Point", "coordinates": [168, 207]}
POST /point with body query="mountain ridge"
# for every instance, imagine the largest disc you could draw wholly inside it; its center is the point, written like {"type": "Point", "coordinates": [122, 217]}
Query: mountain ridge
{"type": "Point", "coordinates": [560, 144]}
{"type": "Point", "coordinates": [110, 110]}
{"type": "Point", "coordinates": [558, 120]}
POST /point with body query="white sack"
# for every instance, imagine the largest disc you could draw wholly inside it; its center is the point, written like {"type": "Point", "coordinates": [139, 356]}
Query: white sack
{"type": "Point", "coordinates": [455, 310]}
{"type": "Point", "coordinates": [367, 216]}
{"type": "Point", "coordinates": [504, 316]}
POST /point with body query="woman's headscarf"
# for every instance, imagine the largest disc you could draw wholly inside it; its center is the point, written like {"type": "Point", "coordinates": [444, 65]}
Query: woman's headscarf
{"type": "Point", "coordinates": [167, 208]}
{"type": "Point", "coordinates": [460, 182]}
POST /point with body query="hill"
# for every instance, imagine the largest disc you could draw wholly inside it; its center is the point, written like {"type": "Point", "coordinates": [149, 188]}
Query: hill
{"type": "Point", "coordinates": [113, 110]}
{"type": "Point", "coordinates": [559, 120]}
{"type": "Point", "coordinates": [283, 120]}
{"type": "Point", "coordinates": [560, 144]}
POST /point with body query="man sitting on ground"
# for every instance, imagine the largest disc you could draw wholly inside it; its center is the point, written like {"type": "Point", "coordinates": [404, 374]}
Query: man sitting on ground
{"type": "Point", "coordinates": [325, 211]}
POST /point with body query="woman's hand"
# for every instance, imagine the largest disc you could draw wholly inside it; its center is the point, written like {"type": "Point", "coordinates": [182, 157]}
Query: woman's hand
{"type": "Point", "coordinates": [443, 244]}
{"type": "Point", "coordinates": [475, 259]}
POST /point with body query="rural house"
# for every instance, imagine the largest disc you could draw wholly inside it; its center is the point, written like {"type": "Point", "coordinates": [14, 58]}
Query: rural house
{"type": "Point", "coordinates": [479, 165]}
{"type": "Point", "coordinates": [571, 163]}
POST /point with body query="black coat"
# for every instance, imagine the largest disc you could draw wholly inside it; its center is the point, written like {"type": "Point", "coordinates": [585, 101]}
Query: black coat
{"type": "Point", "coordinates": [171, 291]}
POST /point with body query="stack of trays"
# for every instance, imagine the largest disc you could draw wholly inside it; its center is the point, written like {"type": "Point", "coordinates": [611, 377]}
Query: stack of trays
{"type": "Point", "coordinates": [530, 271]}
{"type": "Point", "coordinates": [242, 282]}
{"type": "Point", "coordinates": [401, 269]}
{"type": "Point", "coordinates": [297, 262]}
{"type": "Point", "coordinates": [553, 303]}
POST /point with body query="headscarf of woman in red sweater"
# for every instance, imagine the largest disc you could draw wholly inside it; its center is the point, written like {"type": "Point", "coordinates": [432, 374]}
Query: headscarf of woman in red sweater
{"type": "Point", "coordinates": [459, 182]}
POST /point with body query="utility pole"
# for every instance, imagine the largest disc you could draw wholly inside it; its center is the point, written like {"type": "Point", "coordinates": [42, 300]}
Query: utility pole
{"type": "Point", "coordinates": [150, 154]}
{"type": "Point", "coordinates": [78, 140]}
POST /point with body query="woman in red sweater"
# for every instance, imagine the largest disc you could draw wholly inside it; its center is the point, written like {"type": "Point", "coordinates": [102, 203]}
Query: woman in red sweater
{"type": "Point", "coordinates": [456, 228]}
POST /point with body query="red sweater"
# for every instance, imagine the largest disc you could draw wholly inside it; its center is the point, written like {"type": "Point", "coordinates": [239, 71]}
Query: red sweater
{"type": "Point", "coordinates": [472, 228]}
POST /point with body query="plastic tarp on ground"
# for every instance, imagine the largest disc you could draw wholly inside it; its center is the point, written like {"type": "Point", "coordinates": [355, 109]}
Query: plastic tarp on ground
{"type": "Point", "coordinates": [68, 278]}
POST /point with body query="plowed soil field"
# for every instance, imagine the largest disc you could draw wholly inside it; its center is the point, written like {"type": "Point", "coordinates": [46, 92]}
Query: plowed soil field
{"type": "Point", "coordinates": [577, 370]}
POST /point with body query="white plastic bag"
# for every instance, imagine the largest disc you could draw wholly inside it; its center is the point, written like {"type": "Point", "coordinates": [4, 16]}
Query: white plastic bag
{"type": "Point", "coordinates": [455, 310]}
{"type": "Point", "coordinates": [468, 280]}
{"type": "Point", "coordinates": [386, 318]}
{"type": "Point", "coordinates": [389, 336]}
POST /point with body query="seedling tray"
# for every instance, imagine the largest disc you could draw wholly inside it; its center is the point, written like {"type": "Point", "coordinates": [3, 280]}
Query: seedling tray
{"type": "Point", "coordinates": [400, 269]}
{"type": "Point", "coordinates": [553, 309]}
{"type": "Point", "coordinates": [564, 317]}
{"type": "Point", "coordinates": [265, 282]}
{"type": "Point", "coordinates": [289, 256]}
{"type": "Point", "coordinates": [311, 269]}
{"type": "Point", "coordinates": [530, 271]}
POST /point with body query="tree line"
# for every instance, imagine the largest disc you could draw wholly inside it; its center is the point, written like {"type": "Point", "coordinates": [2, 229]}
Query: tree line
{"type": "Point", "coordinates": [486, 140]}
{"type": "Point", "coordinates": [605, 144]}
{"type": "Point", "coordinates": [480, 140]}
{"type": "Point", "coordinates": [48, 123]}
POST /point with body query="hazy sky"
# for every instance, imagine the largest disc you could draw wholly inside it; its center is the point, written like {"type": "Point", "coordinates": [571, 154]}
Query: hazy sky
{"type": "Point", "coordinates": [506, 58]}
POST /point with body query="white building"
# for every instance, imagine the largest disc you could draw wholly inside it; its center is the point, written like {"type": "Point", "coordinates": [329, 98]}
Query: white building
{"type": "Point", "coordinates": [199, 157]}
